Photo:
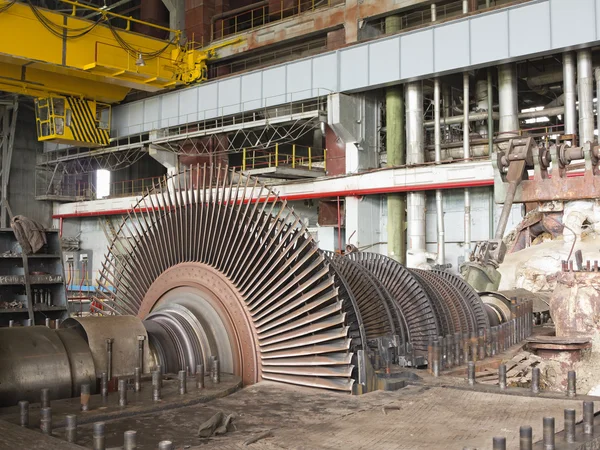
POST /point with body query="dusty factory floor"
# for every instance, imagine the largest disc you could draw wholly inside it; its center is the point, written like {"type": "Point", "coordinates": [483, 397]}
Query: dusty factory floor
{"type": "Point", "coordinates": [416, 417]}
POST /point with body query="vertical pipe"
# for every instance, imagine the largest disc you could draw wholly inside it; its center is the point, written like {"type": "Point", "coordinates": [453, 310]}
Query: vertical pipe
{"type": "Point", "coordinates": [465, 6]}
{"type": "Point", "coordinates": [433, 12]}
{"type": "Point", "coordinates": [569, 89]}
{"type": "Point", "coordinates": [466, 157]}
{"type": "Point", "coordinates": [502, 376]}
{"type": "Point", "coordinates": [396, 156]}
{"type": "Point", "coordinates": [104, 385]}
{"type": "Point", "coordinates": [182, 382]}
{"type": "Point", "coordinates": [471, 373]}
{"type": "Point", "coordinates": [415, 154]}
{"type": "Point", "coordinates": [490, 99]}
{"type": "Point", "coordinates": [200, 376]}
{"type": "Point", "coordinates": [109, 345]}
{"type": "Point", "coordinates": [137, 379]}
{"type": "Point", "coordinates": [439, 196]}
{"type": "Point", "coordinates": [509, 107]}
{"type": "Point", "coordinates": [535, 380]}
{"type": "Point", "coordinates": [122, 392]}
{"type": "Point", "coordinates": [585, 83]}
{"type": "Point", "coordinates": [216, 371]}
{"type": "Point", "coordinates": [141, 339]}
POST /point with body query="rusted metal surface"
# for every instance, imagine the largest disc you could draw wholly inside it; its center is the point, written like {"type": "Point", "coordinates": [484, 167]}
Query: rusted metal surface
{"type": "Point", "coordinates": [250, 270]}
{"type": "Point", "coordinates": [575, 304]}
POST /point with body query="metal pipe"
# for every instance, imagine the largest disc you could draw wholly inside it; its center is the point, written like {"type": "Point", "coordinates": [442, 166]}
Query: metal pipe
{"type": "Point", "coordinates": [436, 358]}
{"type": "Point", "coordinates": [109, 345]}
{"type": "Point", "coordinates": [71, 428]}
{"type": "Point", "coordinates": [415, 154]}
{"type": "Point", "coordinates": [508, 101]}
{"type": "Point", "coordinates": [433, 12]}
{"type": "Point", "coordinates": [437, 122]}
{"type": "Point", "coordinates": [476, 117]}
{"type": "Point", "coordinates": [465, 6]}
{"type": "Point", "coordinates": [439, 196]}
{"type": "Point", "coordinates": [570, 93]}
{"type": "Point", "coordinates": [235, 12]}
{"type": "Point", "coordinates": [570, 425]}
{"type": "Point", "coordinates": [588, 418]}
{"type": "Point", "coordinates": [141, 339]}
{"type": "Point", "coordinates": [98, 436]}
{"type": "Point", "coordinates": [466, 157]}
{"type": "Point", "coordinates": [585, 85]}
{"type": "Point", "coordinates": [156, 385]}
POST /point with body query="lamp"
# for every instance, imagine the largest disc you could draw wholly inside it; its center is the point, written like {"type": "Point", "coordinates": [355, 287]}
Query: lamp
{"type": "Point", "coordinates": [140, 61]}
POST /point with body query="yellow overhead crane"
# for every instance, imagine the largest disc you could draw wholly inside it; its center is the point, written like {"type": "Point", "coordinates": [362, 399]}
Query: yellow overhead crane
{"type": "Point", "coordinates": [77, 68]}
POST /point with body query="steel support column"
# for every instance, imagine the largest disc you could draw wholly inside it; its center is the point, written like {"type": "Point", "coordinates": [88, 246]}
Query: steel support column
{"type": "Point", "coordinates": [8, 117]}
{"type": "Point", "coordinates": [570, 91]}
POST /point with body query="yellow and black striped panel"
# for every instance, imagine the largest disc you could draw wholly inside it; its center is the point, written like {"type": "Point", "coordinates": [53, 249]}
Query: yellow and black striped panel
{"type": "Point", "coordinates": [83, 123]}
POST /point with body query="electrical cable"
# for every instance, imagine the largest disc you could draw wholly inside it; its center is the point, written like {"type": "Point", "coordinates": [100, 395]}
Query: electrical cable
{"type": "Point", "coordinates": [7, 6]}
{"type": "Point", "coordinates": [134, 51]}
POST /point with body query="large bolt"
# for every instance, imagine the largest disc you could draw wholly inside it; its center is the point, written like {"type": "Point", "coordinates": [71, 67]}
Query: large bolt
{"type": "Point", "coordinates": [443, 353]}
{"type": "Point", "coordinates": [85, 397]}
{"type": "Point", "coordinates": [450, 350]}
{"type": "Point", "coordinates": [165, 445]}
{"type": "Point", "coordinates": [535, 380]}
{"type": "Point", "coordinates": [71, 428]}
{"type": "Point", "coordinates": [129, 440]}
{"type": "Point", "coordinates": [45, 398]}
{"type": "Point", "coordinates": [109, 351]}
{"type": "Point", "coordinates": [104, 385]}
{"type": "Point", "coordinates": [499, 443]}
{"type": "Point", "coordinates": [570, 425]}
{"type": "Point", "coordinates": [457, 350]}
{"type": "Point", "coordinates": [466, 347]}
{"type": "Point", "coordinates": [588, 418]}
{"type": "Point", "coordinates": [435, 367]}
{"type": "Point", "coordinates": [47, 322]}
{"type": "Point", "coordinates": [548, 433]}
{"type": "Point", "coordinates": [481, 344]}
{"type": "Point", "coordinates": [182, 382]}
{"type": "Point", "coordinates": [430, 355]}
{"type": "Point", "coordinates": [471, 373]}
{"type": "Point", "coordinates": [98, 436]}
{"type": "Point", "coordinates": [122, 392]}
{"type": "Point", "coordinates": [200, 376]}
{"type": "Point", "coordinates": [46, 420]}
{"type": "Point", "coordinates": [24, 413]}
{"type": "Point", "coordinates": [216, 371]}
{"type": "Point", "coordinates": [474, 346]}
{"type": "Point", "coordinates": [11, 323]}
{"type": "Point", "coordinates": [525, 438]}
{"type": "Point", "coordinates": [156, 377]}
{"type": "Point", "coordinates": [571, 384]}
{"type": "Point", "coordinates": [137, 379]}
{"type": "Point", "coordinates": [160, 378]}
{"type": "Point", "coordinates": [502, 376]}
{"type": "Point", "coordinates": [141, 339]}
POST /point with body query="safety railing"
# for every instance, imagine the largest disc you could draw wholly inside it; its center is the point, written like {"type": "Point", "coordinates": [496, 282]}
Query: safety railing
{"type": "Point", "coordinates": [294, 156]}
{"type": "Point", "coordinates": [125, 188]}
{"type": "Point", "coordinates": [257, 17]}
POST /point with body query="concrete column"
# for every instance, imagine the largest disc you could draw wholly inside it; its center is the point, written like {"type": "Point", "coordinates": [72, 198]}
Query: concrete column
{"type": "Point", "coordinates": [415, 154]}
{"type": "Point", "coordinates": [585, 84]}
{"type": "Point", "coordinates": [176, 13]}
{"type": "Point", "coordinates": [396, 156]}
{"type": "Point", "coordinates": [509, 107]}
{"type": "Point", "coordinates": [570, 92]}
{"type": "Point", "coordinates": [168, 160]}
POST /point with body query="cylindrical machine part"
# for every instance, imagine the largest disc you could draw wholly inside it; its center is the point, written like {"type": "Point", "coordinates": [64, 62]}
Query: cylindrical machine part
{"type": "Point", "coordinates": [508, 100]}
{"type": "Point", "coordinates": [182, 377]}
{"type": "Point", "coordinates": [109, 357]}
{"type": "Point", "coordinates": [28, 323]}
{"type": "Point", "coordinates": [98, 436]}
{"type": "Point", "coordinates": [141, 339]}
{"type": "Point", "coordinates": [570, 425]}
{"type": "Point", "coordinates": [439, 210]}
{"type": "Point", "coordinates": [24, 413]}
{"type": "Point", "coordinates": [437, 131]}
{"type": "Point", "coordinates": [137, 380]}
{"type": "Point", "coordinates": [71, 428]}
{"type": "Point", "coordinates": [159, 369]}
{"type": "Point", "coordinates": [165, 445]}
{"type": "Point", "coordinates": [130, 440]}
{"type": "Point", "coordinates": [11, 323]}
{"type": "Point", "coordinates": [457, 350]}
{"type": "Point", "coordinates": [156, 384]}
{"type": "Point", "coordinates": [122, 392]}
{"type": "Point", "coordinates": [502, 376]}
{"type": "Point", "coordinates": [588, 418]}
{"type": "Point", "coordinates": [85, 397]}
{"type": "Point", "coordinates": [535, 380]}
{"type": "Point", "coordinates": [45, 398]}
{"type": "Point", "coordinates": [466, 130]}
{"type": "Point", "coordinates": [499, 443]}
{"type": "Point", "coordinates": [450, 351]}
{"type": "Point", "coordinates": [80, 360]}
{"type": "Point", "coordinates": [46, 420]}
{"type": "Point", "coordinates": [216, 371]}
{"type": "Point", "coordinates": [433, 12]}
{"type": "Point", "coordinates": [414, 123]}
{"type": "Point", "coordinates": [471, 373]}
{"type": "Point", "coordinates": [585, 85]}
{"type": "Point", "coordinates": [104, 385]}
{"type": "Point", "coordinates": [569, 89]}
{"type": "Point", "coordinates": [474, 346]}
{"type": "Point", "coordinates": [525, 438]}
{"type": "Point", "coordinates": [571, 383]}
{"type": "Point", "coordinates": [200, 376]}
{"type": "Point", "coordinates": [435, 367]}
{"type": "Point", "coordinates": [47, 321]}
{"type": "Point", "coordinates": [548, 433]}
{"type": "Point", "coordinates": [465, 6]}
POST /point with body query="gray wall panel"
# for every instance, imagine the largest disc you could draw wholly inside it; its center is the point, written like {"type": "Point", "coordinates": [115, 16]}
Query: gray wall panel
{"type": "Point", "coordinates": [534, 28]}
{"type": "Point", "coordinates": [151, 114]}
{"type": "Point", "coordinates": [208, 101]}
{"type": "Point", "coordinates": [416, 54]}
{"type": "Point", "coordinates": [452, 46]}
{"type": "Point", "coordinates": [274, 86]}
{"type": "Point", "coordinates": [299, 80]}
{"type": "Point", "coordinates": [384, 59]}
{"type": "Point", "coordinates": [490, 38]}
{"type": "Point", "coordinates": [354, 67]}
{"type": "Point", "coordinates": [252, 94]}
{"type": "Point", "coordinates": [572, 24]}
{"type": "Point", "coordinates": [188, 105]}
{"type": "Point", "coordinates": [229, 96]}
{"type": "Point", "coordinates": [529, 31]}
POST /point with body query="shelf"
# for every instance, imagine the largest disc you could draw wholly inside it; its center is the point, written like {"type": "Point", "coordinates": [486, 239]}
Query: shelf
{"type": "Point", "coordinates": [45, 279]}
{"type": "Point", "coordinates": [36, 308]}
{"type": "Point", "coordinates": [12, 280]}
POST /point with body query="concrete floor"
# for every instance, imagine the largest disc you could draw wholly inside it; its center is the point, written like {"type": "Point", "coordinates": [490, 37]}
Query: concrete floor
{"type": "Point", "coordinates": [416, 417]}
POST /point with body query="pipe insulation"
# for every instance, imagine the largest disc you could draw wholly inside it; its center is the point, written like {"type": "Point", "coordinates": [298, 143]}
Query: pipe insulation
{"type": "Point", "coordinates": [466, 157]}
{"type": "Point", "coordinates": [570, 93]}
{"type": "Point", "coordinates": [509, 107]}
{"type": "Point", "coordinates": [585, 83]}
{"type": "Point", "coordinates": [439, 196]}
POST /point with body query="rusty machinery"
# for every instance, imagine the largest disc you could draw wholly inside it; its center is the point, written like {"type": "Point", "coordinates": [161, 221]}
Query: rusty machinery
{"type": "Point", "coordinates": [211, 263]}
{"type": "Point", "coordinates": [552, 184]}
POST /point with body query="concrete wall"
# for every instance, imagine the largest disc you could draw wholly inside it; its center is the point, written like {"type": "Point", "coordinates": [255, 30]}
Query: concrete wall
{"type": "Point", "coordinates": [21, 190]}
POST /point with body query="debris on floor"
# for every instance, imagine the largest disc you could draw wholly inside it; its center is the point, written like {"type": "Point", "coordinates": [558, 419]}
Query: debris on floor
{"type": "Point", "coordinates": [518, 371]}
{"type": "Point", "coordinates": [218, 424]}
